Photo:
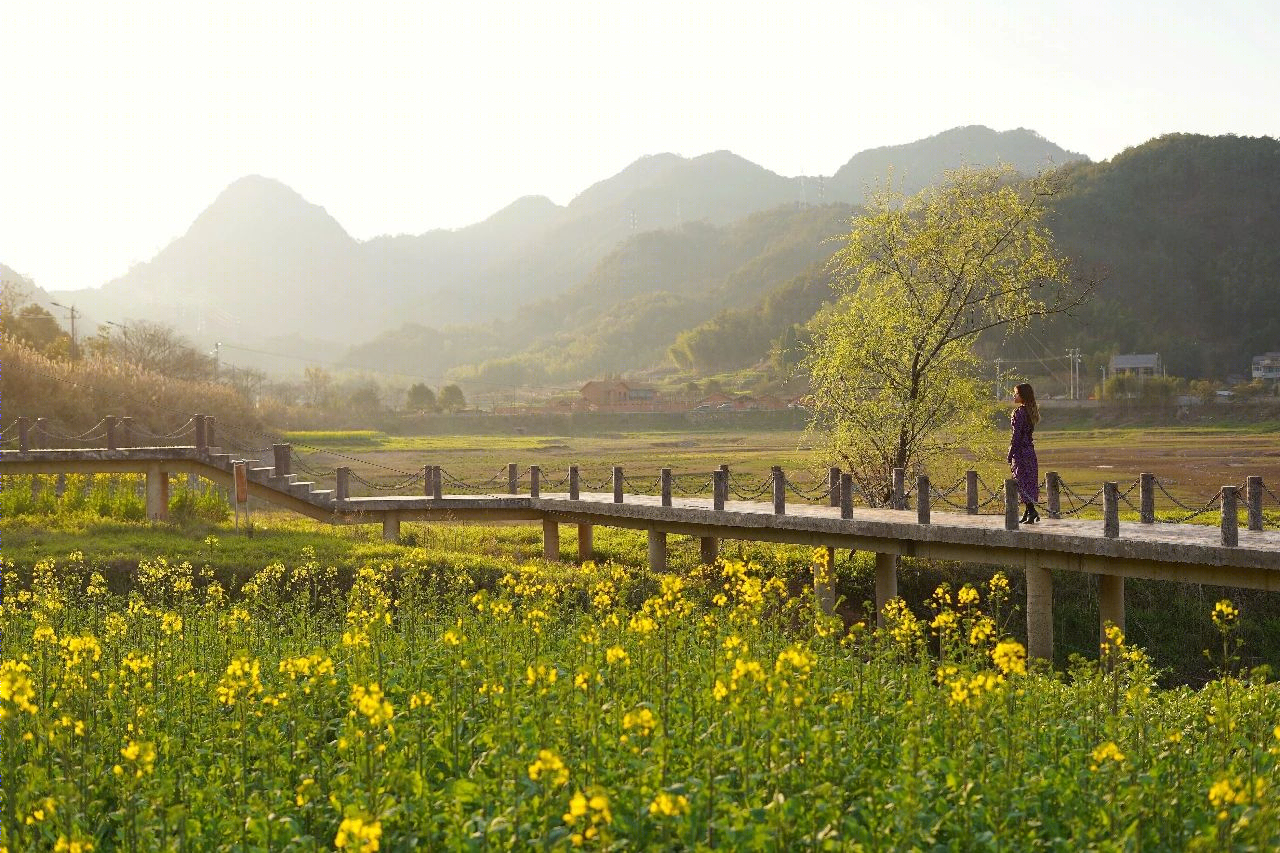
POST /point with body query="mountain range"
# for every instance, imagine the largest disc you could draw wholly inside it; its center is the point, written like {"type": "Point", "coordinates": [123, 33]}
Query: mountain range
{"type": "Point", "coordinates": [265, 269]}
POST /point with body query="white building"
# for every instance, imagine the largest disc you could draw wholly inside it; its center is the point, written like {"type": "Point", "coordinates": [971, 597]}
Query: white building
{"type": "Point", "coordinates": [1136, 364]}
{"type": "Point", "coordinates": [1267, 366]}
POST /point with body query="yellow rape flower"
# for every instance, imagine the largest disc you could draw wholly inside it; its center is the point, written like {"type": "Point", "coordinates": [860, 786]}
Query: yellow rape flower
{"type": "Point", "coordinates": [72, 845]}
{"type": "Point", "coordinates": [550, 765]}
{"type": "Point", "coordinates": [356, 833]}
{"type": "Point", "coordinates": [1106, 752]}
{"type": "Point", "coordinates": [369, 702]}
{"type": "Point", "coordinates": [241, 681]}
{"type": "Point", "coordinates": [641, 719]}
{"type": "Point", "coordinates": [667, 805]}
{"type": "Point", "coordinates": [16, 688]}
{"type": "Point", "coordinates": [617, 654]}
{"type": "Point", "coordinates": [1010, 657]}
{"type": "Point", "coordinates": [1225, 615]}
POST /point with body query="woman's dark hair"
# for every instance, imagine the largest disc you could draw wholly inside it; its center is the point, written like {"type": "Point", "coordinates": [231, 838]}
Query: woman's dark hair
{"type": "Point", "coordinates": [1028, 395]}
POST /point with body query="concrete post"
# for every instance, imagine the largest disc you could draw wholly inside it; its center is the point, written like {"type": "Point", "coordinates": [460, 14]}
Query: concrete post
{"type": "Point", "coordinates": [112, 438]}
{"type": "Point", "coordinates": [1011, 504]}
{"type": "Point", "coordinates": [617, 484]}
{"type": "Point", "coordinates": [886, 583]}
{"type": "Point", "coordinates": [1110, 604]}
{"type": "Point", "coordinates": [657, 551]}
{"type": "Point", "coordinates": [342, 484]}
{"type": "Point", "coordinates": [202, 437]}
{"type": "Point", "coordinates": [24, 434]}
{"type": "Point", "coordinates": [437, 483]}
{"type": "Point", "coordinates": [574, 483]}
{"type": "Point", "coordinates": [824, 584]}
{"type": "Point", "coordinates": [709, 547]}
{"type": "Point", "coordinates": [1039, 613]}
{"type": "Point", "coordinates": [60, 485]}
{"type": "Point", "coordinates": [428, 473]}
{"type": "Point", "coordinates": [666, 486]}
{"type": "Point", "coordinates": [833, 485]}
{"type": "Point", "coordinates": [535, 481]}
{"type": "Point", "coordinates": [779, 491]}
{"type": "Point", "coordinates": [899, 488]}
{"type": "Point", "coordinates": [513, 478]}
{"type": "Point", "coordinates": [971, 492]}
{"type": "Point", "coordinates": [846, 496]}
{"type": "Point", "coordinates": [922, 499]}
{"type": "Point", "coordinates": [586, 544]}
{"type": "Point", "coordinates": [210, 433]}
{"type": "Point", "coordinates": [1230, 521]}
{"type": "Point", "coordinates": [157, 493]}
{"type": "Point", "coordinates": [1110, 510]}
{"type": "Point", "coordinates": [1054, 484]}
{"type": "Point", "coordinates": [280, 454]}
{"type": "Point", "coordinates": [391, 527]}
{"type": "Point", "coordinates": [1147, 499]}
{"type": "Point", "coordinates": [1253, 497]}
{"type": "Point", "coordinates": [719, 488]}
{"type": "Point", "coordinates": [550, 539]}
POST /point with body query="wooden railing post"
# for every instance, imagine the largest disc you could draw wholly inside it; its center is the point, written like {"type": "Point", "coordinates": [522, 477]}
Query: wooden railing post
{"type": "Point", "coordinates": [437, 482]}
{"type": "Point", "coordinates": [719, 488]}
{"type": "Point", "coordinates": [779, 491]}
{"type": "Point", "coordinates": [24, 434]}
{"type": "Point", "coordinates": [666, 486]}
{"type": "Point", "coordinates": [617, 484]}
{"type": "Point", "coordinates": [1253, 497]}
{"type": "Point", "coordinates": [1053, 484]}
{"type": "Point", "coordinates": [971, 492]}
{"type": "Point", "coordinates": [342, 484]}
{"type": "Point", "coordinates": [1110, 510]}
{"type": "Point", "coordinates": [535, 482]}
{"type": "Point", "coordinates": [428, 479]}
{"type": "Point", "coordinates": [513, 477]}
{"type": "Point", "coordinates": [202, 437]}
{"type": "Point", "coordinates": [574, 483]}
{"type": "Point", "coordinates": [846, 496]}
{"type": "Point", "coordinates": [833, 485]}
{"type": "Point", "coordinates": [922, 499]}
{"type": "Point", "coordinates": [1011, 504]}
{"type": "Point", "coordinates": [210, 433]}
{"type": "Point", "coordinates": [280, 453]}
{"type": "Point", "coordinates": [899, 488]}
{"type": "Point", "coordinates": [1146, 499]}
{"type": "Point", "coordinates": [1230, 521]}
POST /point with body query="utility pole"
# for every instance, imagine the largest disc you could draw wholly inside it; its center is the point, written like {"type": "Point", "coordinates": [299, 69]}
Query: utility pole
{"type": "Point", "coordinates": [72, 315]}
{"type": "Point", "coordinates": [996, 392]}
{"type": "Point", "coordinates": [217, 359]}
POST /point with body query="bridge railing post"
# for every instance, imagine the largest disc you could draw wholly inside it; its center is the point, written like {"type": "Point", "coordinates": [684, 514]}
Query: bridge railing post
{"type": "Point", "coordinates": [666, 486]}
{"type": "Point", "coordinates": [1010, 504]}
{"type": "Point", "coordinates": [899, 488]}
{"type": "Point", "coordinates": [833, 485]}
{"type": "Point", "coordinates": [535, 481]}
{"type": "Point", "coordinates": [428, 479]}
{"type": "Point", "coordinates": [112, 438]}
{"type": "Point", "coordinates": [971, 492]}
{"type": "Point", "coordinates": [342, 484]}
{"type": "Point", "coordinates": [846, 495]}
{"type": "Point", "coordinates": [719, 487]}
{"type": "Point", "coordinates": [210, 432]}
{"type": "Point", "coordinates": [1230, 521]}
{"type": "Point", "coordinates": [202, 437]}
{"type": "Point", "coordinates": [24, 434]}
{"type": "Point", "coordinates": [1111, 510]}
{"type": "Point", "coordinates": [922, 499]}
{"type": "Point", "coordinates": [1147, 498]}
{"type": "Point", "coordinates": [779, 480]}
{"type": "Point", "coordinates": [437, 482]}
{"type": "Point", "coordinates": [513, 477]}
{"type": "Point", "coordinates": [617, 484]}
{"type": "Point", "coordinates": [1053, 484]}
{"type": "Point", "coordinates": [1253, 497]}
{"type": "Point", "coordinates": [574, 483]}
{"type": "Point", "coordinates": [280, 455]}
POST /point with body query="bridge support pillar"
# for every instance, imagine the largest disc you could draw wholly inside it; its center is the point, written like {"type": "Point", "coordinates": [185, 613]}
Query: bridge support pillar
{"type": "Point", "coordinates": [550, 539]}
{"type": "Point", "coordinates": [1039, 613]}
{"type": "Point", "coordinates": [1110, 604]}
{"type": "Point", "coordinates": [657, 551]}
{"type": "Point", "coordinates": [157, 493]}
{"type": "Point", "coordinates": [710, 547]}
{"type": "Point", "coordinates": [824, 582]}
{"type": "Point", "coordinates": [586, 543]}
{"type": "Point", "coordinates": [886, 583]}
{"type": "Point", "coordinates": [391, 527]}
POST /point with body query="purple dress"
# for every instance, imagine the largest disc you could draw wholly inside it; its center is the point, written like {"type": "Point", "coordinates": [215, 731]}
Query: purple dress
{"type": "Point", "coordinates": [1022, 457]}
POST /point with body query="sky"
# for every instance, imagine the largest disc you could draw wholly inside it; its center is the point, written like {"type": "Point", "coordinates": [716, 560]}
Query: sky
{"type": "Point", "coordinates": [123, 121]}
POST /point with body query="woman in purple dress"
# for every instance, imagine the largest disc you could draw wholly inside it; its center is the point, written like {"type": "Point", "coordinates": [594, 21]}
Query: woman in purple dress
{"type": "Point", "coordinates": [1022, 450]}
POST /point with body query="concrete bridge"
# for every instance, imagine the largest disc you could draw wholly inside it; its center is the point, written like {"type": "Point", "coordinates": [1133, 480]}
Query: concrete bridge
{"type": "Point", "coordinates": [1222, 555]}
